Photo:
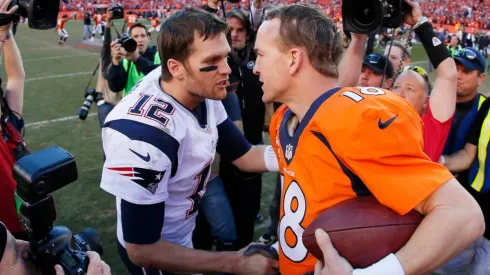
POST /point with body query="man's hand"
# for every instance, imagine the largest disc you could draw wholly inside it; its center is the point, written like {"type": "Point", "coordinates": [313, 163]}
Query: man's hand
{"type": "Point", "coordinates": [132, 56]}
{"type": "Point", "coordinates": [333, 263]}
{"type": "Point", "coordinates": [118, 52]}
{"type": "Point", "coordinates": [95, 267]}
{"type": "Point", "coordinates": [109, 15]}
{"type": "Point", "coordinates": [412, 18]}
{"type": "Point", "coordinates": [3, 10]}
{"type": "Point", "coordinates": [256, 264]}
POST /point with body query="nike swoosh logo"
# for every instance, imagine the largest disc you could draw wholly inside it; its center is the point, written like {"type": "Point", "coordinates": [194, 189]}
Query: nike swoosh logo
{"type": "Point", "coordinates": [382, 125]}
{"type": "Point", "coordinates": [147, 158]}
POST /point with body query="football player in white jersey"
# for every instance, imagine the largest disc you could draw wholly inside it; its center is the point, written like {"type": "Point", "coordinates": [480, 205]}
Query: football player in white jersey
{"type": "Point", "coordinates": [159, 143]}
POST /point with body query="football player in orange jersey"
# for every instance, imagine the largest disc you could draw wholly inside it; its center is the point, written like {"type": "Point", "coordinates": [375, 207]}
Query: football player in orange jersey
{"type": "Point", "coordinates": [155, 24]}
{"type": "Point", "coordinates": [61, 28]}
{"type": "Point", "coordinates": [337, 143]}
{"type": "Point", "coordinates": [98, 25]}
{"type": "Point", "coordinates": [131, 20]}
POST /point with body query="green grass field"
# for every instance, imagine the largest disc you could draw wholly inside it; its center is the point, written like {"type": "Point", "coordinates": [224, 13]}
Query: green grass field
{"type": "Point", "coordinates": [56, 79]}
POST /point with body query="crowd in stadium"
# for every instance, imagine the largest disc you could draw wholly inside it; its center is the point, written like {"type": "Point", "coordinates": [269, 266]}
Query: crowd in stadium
{"type": "Point", "coordinates": [474, 14]}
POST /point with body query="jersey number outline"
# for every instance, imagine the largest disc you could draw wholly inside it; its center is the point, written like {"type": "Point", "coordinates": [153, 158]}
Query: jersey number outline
{"type": "Point", "coordinates": [155, 112]}
{"type": "Point", "coordinates": [196, 197]}
{"type": "Point", "coordinates": [291, 221]}
{"type": "Point", "coordinates": [364, 90]}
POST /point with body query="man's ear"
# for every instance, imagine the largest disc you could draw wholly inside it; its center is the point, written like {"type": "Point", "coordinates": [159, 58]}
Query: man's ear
{"type": "Point", "coordinates": [481, 79]}
{"type": "Point", "coordinates": [388, 83]}
{"type": "Point", "coordinates": [296, 58]}
{"type": "Point", "coordinates": [175, 68]}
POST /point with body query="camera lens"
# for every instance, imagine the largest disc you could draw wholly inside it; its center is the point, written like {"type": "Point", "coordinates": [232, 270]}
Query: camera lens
{"type": "Point", "coordinates": [130, 45]}
{"type": "Point", "coordinates": [365, 14]}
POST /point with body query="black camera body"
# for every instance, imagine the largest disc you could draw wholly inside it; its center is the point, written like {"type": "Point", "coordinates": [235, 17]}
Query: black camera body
{"type": "Point", "coordinates": [37, 175]}
{"type": "Point", "coordinates": [117, 12]}
{"type": "Point", "coordinates": [42, 14]}
{"type": "Point", "coordinates": [369, 16]}
{"type": "Point", "coordinates": [127, 42]}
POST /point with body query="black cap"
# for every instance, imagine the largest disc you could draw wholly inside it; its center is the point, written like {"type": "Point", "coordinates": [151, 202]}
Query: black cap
{"type": "Point", "coordinates": [377, 63]}
{"type": "Point", "coordinates": [3, 239]}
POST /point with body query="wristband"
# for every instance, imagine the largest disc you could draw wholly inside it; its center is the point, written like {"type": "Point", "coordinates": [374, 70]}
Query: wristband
{"type": "Point", "coordinates": [387, 266]}
{"type": "Point", "coordinates": [436, 50]}
{"type": "Point", "coordinates": [270, 159]}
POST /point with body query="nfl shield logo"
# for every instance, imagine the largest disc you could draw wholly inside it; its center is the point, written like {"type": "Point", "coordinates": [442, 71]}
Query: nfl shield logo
{"type": "Point", "coordinates": [289, 151]}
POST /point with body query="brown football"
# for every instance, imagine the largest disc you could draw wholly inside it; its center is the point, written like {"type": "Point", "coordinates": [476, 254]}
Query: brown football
{"type": "Point", "coordinates": [362, 230]}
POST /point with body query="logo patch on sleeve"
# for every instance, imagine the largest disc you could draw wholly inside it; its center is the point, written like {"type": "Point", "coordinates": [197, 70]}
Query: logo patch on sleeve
{"type": "Point", "coordinates": [146, 178]}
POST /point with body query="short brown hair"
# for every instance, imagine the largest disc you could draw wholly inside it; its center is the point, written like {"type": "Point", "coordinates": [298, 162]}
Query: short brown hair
{"type": "Point", "coordinates": [306, 26]}
{"type": "Point", "coordinates": [138, 25]}
{"type": "Point", "coordinates": [177, 34]}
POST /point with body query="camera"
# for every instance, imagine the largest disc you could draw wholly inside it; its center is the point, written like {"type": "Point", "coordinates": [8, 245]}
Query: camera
{"type": "Point", "coordinates": [128, 43]}
{"type": "Point", "coordinates": [369, 16]}
{"type": "Point", "coordinates": [37, 175]}
{"type": "Point", "coordinates": [41, 14]}
{"type": "Point", "coordinates": [90, 96]}
{"type": "Point", "coordinates": [117, 12]}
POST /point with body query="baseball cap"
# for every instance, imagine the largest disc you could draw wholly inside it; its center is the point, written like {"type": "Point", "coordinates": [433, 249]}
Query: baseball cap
{"type": "Point", "coordinates": [471, 59]}
{"type": "Point", "coordinates": [3, 239]}
{"type": "Point", "coordinates": [377, 63]}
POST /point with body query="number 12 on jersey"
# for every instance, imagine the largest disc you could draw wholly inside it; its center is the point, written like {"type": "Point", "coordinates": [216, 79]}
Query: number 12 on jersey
{"type": "Point", "coordinates": [290, 229]}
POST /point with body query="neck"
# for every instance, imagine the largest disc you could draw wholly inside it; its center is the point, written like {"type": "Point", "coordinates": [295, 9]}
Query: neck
{"type": "Point", "coordinates": [181, 95]}
{"type": "Point", "coordinates": [466, 98]}
{"type": "Point", "coordinates": [307, 91]}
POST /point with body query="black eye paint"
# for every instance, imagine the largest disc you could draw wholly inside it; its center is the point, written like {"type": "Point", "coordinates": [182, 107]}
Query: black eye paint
{"type": "Point", "coordinates": [208, 68]}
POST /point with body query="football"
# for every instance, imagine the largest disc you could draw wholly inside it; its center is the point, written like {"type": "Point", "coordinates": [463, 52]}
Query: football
{"type": "Point", "coordinates": [362, 230]}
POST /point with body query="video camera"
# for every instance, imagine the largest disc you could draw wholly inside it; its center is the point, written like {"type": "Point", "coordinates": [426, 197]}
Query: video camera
{"type": "Point", "coordinates": [41, 14]}
{"type": "Point", "coordinates": [117, 11]}
{"type": "Point", "coordinates": [369, 16]}
{"type": "Point", "coordinates": [128, 43]}
{"type": "Point", "coordinates": [38, 175]}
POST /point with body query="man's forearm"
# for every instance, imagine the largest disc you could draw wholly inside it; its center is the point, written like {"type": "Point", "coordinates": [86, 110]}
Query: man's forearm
{"type": "Point", "coordinates": [144, 65]}
{"type": "Point", "coordinates": [351, 64]}
{"type": "Point", "coordinates": [443, 97]}
{"type": "Point", "coordinates": [447, 229]}
{"type": "Point", "coordinates": [461, 160]}
{"type": "Point", "coordinates": [15, 75]}
{"type": "Point", "coordinates": [254, 160]}
{"type": "Point", "coordinates": [175, 258]}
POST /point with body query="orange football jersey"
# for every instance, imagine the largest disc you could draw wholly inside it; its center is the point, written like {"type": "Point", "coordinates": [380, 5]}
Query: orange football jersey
{"type": "Point", "coordinates": [351, 142]}
{"type": "Point", "coordinates": [61, 23]}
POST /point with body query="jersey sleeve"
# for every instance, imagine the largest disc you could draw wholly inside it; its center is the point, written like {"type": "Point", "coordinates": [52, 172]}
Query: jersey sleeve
{"type": "Point", "coordinates": [139, 161]}
{"type": "Point", "coordinates": [386, 153]}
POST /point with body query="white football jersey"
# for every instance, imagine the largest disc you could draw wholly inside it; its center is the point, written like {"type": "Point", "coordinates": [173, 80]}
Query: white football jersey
{"type": "Point", "coordinates": [157, 151]}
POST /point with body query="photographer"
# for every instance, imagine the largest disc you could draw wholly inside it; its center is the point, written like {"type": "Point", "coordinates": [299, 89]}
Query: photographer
{"type": "Point", "coordinates": [413, 83]}
{"type": "Point", "coordinates": [128, 68]}
{"type": "Point", "coordinates": [110, 98]}
{"type": "Point", "coordinates": [14, 258]}
{"type": "Point", "coordinates": [11, 144]}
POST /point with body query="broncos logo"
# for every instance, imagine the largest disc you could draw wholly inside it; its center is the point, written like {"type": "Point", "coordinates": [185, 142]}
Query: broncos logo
{"type": "Point", "coordinates": [146, 178]}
